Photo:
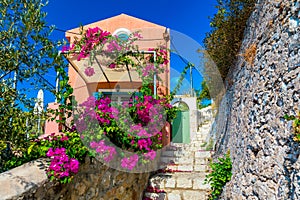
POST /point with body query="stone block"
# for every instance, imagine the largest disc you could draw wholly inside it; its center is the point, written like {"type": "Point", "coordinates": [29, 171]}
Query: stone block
{"type": "Point", "coordinates": [174, 196]}
{"type": "Point", "coordinates": [200, 168]}
{"type": "Point", "coordinates": [203, 154]}
{"type": "Point", "coordinates": [201, 161]}
{"type": "Point", "coordinates": [198, 184]}
{"type": "Point", "coordinates": [185, 167]}
{"type": "Point", "coordinates": [183, 182]}
{"type": "Point", "coordinates": [170, 183]}
{"type": "Point", "coordinates": [194, 195]}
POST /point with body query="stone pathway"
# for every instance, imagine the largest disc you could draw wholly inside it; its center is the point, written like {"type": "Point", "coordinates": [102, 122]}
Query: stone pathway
{"type": "Point", "coordinates": [183, 178]}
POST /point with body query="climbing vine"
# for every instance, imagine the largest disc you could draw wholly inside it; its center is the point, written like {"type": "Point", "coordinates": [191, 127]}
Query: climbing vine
{"type": "Point", "coordinates": [181, 78]}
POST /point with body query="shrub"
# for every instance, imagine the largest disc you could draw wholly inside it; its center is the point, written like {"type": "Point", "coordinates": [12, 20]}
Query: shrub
{"type": "Point", "coordinates": [66, 152]}
{"type": "Point", "coordinates": [223, 42]}
{"type": "Point", "coordinates": [219, 176]}
{"type": "Point", "coordinates": [26, 53]}
{"type": "Point", "coordinates": [135, 127]}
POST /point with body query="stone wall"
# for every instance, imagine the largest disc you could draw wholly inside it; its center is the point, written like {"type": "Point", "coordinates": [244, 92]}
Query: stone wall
{"type": "Point", "coordinates": [266, 163]}
{"type": "Point", "coordinates": [95, 181]}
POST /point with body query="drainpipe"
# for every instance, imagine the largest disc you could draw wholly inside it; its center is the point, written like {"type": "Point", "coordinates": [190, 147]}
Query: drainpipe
{"type": "Point", "coordinates": [166, 36]}
{"type": "Point", "coordinates": [56, 85]}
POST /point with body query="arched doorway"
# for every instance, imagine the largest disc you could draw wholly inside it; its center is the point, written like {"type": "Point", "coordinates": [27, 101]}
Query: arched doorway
{"type": "Point", "coordinates": [181, 124]}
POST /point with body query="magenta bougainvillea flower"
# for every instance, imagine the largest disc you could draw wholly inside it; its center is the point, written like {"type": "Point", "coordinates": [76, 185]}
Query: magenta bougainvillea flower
{"type": "Point", "coordinates": [89, 71]}
{"type": "Point", "coordinates": [113, 46]}
{"type": "Point", "coordinates": [130, 163]}
{"type": "Point", "coordinates": [150, 155]}
{"type": "Point", "coordinates": [112, 65]}
{"type": "Point", "coordinates": [61, 165]}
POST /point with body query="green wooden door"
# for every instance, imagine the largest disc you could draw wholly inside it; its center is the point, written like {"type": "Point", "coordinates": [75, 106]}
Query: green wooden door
{"type": "Point", "coordinates": [181, 126]}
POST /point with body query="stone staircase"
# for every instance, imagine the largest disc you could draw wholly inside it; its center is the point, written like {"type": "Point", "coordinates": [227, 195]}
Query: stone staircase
{"type": "Point", "coordinates": [184, 167]}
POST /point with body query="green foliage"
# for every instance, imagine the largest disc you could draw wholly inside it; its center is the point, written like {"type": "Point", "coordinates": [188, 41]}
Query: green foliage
{"type": "Point", "coordinates": [26, 53]}
{"type": "Point", "coordinates": [296, 125]}
{"type": "Point", "coordinates": [63, 96]}
{"type": "Point", "coordinates": [223, 42]}
{"type": "Point", "coordinates": [202, 94]}
{"type": "Point", "coordinates": [71, 141]}
{"type": "Point", "coordinates": [219, 176]}
{"type": "Point", "coordinates": [17, 126]}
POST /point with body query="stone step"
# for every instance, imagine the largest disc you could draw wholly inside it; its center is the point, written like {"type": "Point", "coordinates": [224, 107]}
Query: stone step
{"type": "Point", "coordinates": [185, 160]}
{"type": "Point", "coordinates": [185, 156]}
{"type": "Point", "coordinates": [179, 180]}
{"type": "Point", "coordinates": [187, 168]}
{"type": "Point", "coordinates": [179, 153]}
{"type": "Point", "coordinates": [204, 154]}
{"type": "Point", "coordinates": [204, 129]}
{"type": "Point", "coordinates": [187, 195]}
{"type": "Point", "coordinates": [187, 153]}
{"type": "Point", "coordinates": [190, 148]}
{"type": "Point", "coordinates": [177, 160]}
{"type": "Point", "coordinates": [184, 167]}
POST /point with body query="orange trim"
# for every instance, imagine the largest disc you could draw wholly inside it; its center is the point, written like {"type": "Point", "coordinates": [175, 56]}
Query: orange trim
{"type": "Point", "coordinates": [122, 85]}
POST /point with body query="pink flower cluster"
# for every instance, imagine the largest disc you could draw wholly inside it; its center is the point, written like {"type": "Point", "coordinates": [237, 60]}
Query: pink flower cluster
{"type": "Point", "coordinates": [144, 144]}
{"type": "Point", "coordinates": [105, 112]}
{"type": "Point", "coordinates": [148, 109]}
{"type": "Point", "coordinates": [113, 46]}
{"type": "Point", "coordinates": [89, 71]}
{"type": "Point", "coordinates": [161, 55]}
{"type": "Point", "coordinates": [130, 163]}
{"type": "Point", "coordinates": [137, 35]}
{"type": "Point", "coordinates": [92, 38]}
{"type": "Point", "coordinates": [150, 155]}
{"type": "Point", "coordinates": [61, 165]}
{"type": "Point", "coordinates": [137, 129]}
{"type": "Point", "coordinates": [103, 149]}
{"type": "Point", "coordinates": [112, 65]}
{"type": "Point", "coordinates": [88, 115]}
{"type": "Point", "coordinates": [149, 70]}
{"type": "Point", "coordinates": [135, 126]}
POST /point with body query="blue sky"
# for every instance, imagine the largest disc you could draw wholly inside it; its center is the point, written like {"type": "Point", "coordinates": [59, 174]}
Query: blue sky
{"type": "Point", "coordinates": [188, 17]}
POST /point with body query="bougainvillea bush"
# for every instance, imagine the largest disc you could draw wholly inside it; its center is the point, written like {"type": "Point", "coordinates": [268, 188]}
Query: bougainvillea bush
{"type": "Point", "coordinates": [125, 136]}
{"type": "Point", "coordinates": [65, 151]}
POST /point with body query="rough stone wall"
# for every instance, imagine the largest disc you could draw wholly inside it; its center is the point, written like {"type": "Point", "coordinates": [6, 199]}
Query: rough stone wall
{"type": "Point", "coordinates": [266, 163]}
{"type": "Point", "coordinates": [95, 181]}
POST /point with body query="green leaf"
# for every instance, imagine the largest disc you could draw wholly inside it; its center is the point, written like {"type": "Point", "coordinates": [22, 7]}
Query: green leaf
{"type": "Point", "coordinates": [30, 148]}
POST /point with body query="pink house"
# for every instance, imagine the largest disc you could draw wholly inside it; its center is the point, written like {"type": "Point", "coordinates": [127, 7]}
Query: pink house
{"type": "Point", "coordinates": [115, 83]}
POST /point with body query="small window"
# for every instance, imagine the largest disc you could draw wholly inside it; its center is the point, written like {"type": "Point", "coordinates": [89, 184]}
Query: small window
{"type": "Point", "coordinates": [123, 36]}
{"type": "Point", "coordinates": [122, 33]}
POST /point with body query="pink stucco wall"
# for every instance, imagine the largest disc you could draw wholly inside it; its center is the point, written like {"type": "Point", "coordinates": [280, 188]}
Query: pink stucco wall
{"type": "Point", "coordinates": [152, 35]}
{"type": "Point", "coordinates": [52, 126]}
